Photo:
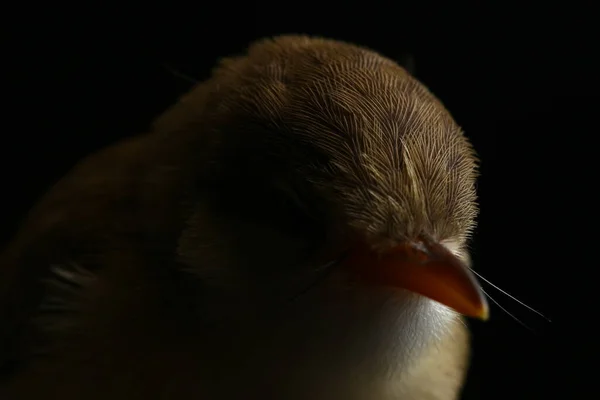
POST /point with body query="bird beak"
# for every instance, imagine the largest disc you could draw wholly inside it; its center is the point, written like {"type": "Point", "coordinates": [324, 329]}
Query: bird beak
{"type": "Point", "coordinates": [424, 267]}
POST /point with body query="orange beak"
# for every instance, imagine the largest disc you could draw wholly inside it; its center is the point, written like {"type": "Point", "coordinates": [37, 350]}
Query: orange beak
{"type": "Point", "coordinates": [424, 267]}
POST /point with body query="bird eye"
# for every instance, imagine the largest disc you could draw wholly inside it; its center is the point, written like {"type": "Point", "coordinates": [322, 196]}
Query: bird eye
{"type": "Point", "coordinates": [297, 201]}
{"type": "Point", "coordinates": [297, 215]}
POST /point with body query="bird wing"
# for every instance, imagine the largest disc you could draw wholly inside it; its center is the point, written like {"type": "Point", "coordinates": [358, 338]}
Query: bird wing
{"type": "Point", "coordinates": [117, 204]}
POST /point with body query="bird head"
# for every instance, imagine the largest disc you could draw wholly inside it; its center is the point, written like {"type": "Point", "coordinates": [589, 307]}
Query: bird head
{"type": "Point", "coordinates": [325, 153]}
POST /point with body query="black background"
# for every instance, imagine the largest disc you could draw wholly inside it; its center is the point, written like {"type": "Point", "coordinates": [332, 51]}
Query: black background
{"type": "Point", "coordinates": [522, 83]}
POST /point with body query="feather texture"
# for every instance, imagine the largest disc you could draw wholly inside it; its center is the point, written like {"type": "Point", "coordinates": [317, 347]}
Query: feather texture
{"type": "Point", "coordinates": [179, 250]}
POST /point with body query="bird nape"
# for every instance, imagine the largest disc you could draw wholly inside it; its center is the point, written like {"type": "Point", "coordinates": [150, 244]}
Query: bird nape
{"type": "Point", "coordinates": [169, 266]}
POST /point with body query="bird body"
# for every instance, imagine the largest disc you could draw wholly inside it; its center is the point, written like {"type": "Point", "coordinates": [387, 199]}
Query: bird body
{"type": "Point", "coordinates": [207, 258]}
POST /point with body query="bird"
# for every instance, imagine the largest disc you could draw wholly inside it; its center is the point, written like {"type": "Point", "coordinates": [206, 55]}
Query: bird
{"type": "Point", "coordinates": [294, 227]}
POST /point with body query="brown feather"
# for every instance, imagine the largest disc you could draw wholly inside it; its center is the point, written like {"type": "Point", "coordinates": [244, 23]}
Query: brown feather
{"type": "Point", "coordinates": [240, 184]}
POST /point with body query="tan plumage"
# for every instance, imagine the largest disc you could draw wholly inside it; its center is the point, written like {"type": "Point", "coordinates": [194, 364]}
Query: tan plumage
{"type": "Point", "coordinates": [186, 251]}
